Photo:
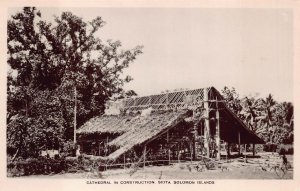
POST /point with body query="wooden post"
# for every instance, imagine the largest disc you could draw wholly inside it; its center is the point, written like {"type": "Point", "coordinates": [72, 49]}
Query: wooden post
{"type": "Point", "coordinates": [228, 149]}
{"type": "Point", "coordinates": [179, 147]}
{"type": "Point", "coordinates": [206, 117]}
{"type": "Point", "coordinates": [107, 148]}
{"type": "Point", "coordinates": [239, 139]}
{"type": "Point", "coordinates": [145, 148]}
{"type": "Point", "coordinates": [169, 152]}
{"type": "Point", "coordinates": [75, 111]}
{"type": "Point", "coordinates": [99, 148]}
{"type": "Point", "coordinates": [194, 142]}
{"type": "Point", "coordinates": [191, 151]}
{"type": "Point", "coordinates": [218, 139]}
{"type": "Point", "coordinates": [124, 161]}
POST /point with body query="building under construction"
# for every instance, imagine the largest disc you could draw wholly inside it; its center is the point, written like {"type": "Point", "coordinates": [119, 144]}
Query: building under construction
{"type": "Point", "coordinates": [175, 126]}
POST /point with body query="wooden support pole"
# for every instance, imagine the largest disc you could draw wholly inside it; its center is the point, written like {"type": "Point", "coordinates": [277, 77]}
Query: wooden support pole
{"type": "Point", "coordinates": [178, 150]}
{"type": "Point", "coordinates": [206, 117]}
{"type": "Point", "coordinates": [145, 149]}
{"type": "Point", "coordinates": [228, 149]}
{"type": "Point", "coordinates": [194, 142]}
{"type": "Point", "coordinates": [191, 151]}
{"type": "Point", "coordinates": [218, 139]}
{"type": "Point", "coordinates": [239, 139]}
{"type": "Point", "coordinates": [124, 161]}
{"type": "Point", "coordinates": [169, 151]}
{"type": "Point", "coordinates": [107, 148]}
{"type": "Point", "coordinates": [99, 148]}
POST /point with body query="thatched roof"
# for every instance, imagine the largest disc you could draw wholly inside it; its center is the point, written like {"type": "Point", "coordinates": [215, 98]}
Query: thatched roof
{"type": "Point", "coordinates": [135, 129]}
{"type": "Point", "coordinates": [169, 110]}
{"type": "Point", "coordinates": [107, 124]}
{"type": "Point", "coordinates": [145, 129]}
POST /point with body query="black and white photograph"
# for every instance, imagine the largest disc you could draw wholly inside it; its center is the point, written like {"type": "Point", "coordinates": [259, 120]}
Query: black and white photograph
{"type": "Point", "coordinates": [144, 94]}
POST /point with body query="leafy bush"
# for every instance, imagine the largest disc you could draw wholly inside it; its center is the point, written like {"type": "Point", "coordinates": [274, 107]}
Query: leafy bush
{"type": "Point", "coordinates": [290, 151]}
{"type": "Point", "coordinates": [33, 166]}
{"type": "Point", "coordinates": [285, 149]}
{"type": "Point", "coordinates": [69, 148]}
{"type": "Point", "coordinates": [270, 147]}
{"type": "Point", "coordinates": [44, 165]}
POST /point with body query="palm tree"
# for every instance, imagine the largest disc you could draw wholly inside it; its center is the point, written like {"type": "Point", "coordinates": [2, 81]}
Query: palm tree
{"type": "Point", "coordinates": [268, 107]}
{"type": "Point", "coordinates": [288, 112]}
{"type": "Point", "coordinates": [251, 114]}
{"type": "Point", "coordinates": [284, 121]}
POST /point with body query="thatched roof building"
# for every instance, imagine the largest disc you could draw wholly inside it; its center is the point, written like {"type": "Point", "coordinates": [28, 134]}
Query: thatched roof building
{"type": "Point", "coordinates": [140, 121]}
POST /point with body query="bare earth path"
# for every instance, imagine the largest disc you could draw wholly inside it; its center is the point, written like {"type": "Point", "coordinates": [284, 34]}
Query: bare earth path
{"type": "Point", "coordinates": [182, 171]}
{"type": "Point", "coordinates": [175, 172]}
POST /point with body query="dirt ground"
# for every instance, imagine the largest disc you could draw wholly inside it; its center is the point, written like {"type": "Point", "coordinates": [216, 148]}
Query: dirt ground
{"type": "Point", "coordinates": [233, 170]}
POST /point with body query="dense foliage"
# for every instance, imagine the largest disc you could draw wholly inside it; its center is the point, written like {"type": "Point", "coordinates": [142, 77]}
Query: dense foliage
{"type": "Point", "coordinates": [52, 64]}
{"type": "Point", "coordinates": [271, 120]}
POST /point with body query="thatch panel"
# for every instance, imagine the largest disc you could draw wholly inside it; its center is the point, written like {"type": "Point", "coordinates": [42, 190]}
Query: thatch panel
{"type": "Point", "coordinates": [105, 124]}
{"type": "Point", "coordinates": [116, 124]}
{"type": "Point", "coordinates": [145, 128]}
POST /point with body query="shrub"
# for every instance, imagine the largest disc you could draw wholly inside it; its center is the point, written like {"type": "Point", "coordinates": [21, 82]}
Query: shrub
{"type": "Point", "coordinates": [270, 147]}
{"type": "Point", "coordinates": [69, 149]}
{"type": "Point", "coordinates": [285, 149]}
{"type": "Point", "coordinates": [290, 151]}
{"type": "Point", "coordinates": [33, 166]}
{"type": "Point", "coordinates": [44, 165]}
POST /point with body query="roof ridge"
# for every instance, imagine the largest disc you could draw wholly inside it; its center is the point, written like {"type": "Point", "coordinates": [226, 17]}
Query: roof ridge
{"type": "Point", "coordinates": [208, 87]}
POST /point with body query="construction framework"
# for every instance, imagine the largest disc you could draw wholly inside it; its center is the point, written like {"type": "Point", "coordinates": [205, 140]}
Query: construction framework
{"type": "Point", "coordinates": [182, 125]}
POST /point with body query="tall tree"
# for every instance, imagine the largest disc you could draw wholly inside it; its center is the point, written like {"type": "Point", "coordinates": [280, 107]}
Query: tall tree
{"type": "Point", "coordinates": [283, 122]}
{"type": "Point", "coordinates": [52, 61]}
{"type": "Point", "coordinates": [268, 107]}
{"type": "Point", "coordinates": [251, 112]}
{"type": "Point", "coordinates": [232, 100]}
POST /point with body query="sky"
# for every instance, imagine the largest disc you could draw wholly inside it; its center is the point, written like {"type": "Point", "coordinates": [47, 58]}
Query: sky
{"type": "Point", "coordinates": [249, 49]}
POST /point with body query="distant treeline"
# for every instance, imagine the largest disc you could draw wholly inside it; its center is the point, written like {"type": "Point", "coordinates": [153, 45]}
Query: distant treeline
{"type": "Point", "coordinates": [271, 120]}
